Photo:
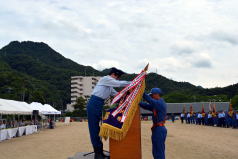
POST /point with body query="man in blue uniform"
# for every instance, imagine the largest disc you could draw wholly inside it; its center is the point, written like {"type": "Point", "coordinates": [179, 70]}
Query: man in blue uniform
{"type": "Point", "coordinates": [188, 118]}
{"type": "Point", "coordinates": [235, 122]}
{"type": "Point", "coordinates": [157, 105]}
{"type": "Point", "coordinates": [102, 91]}
{"type": "Point", "coordinates": [182, 117]}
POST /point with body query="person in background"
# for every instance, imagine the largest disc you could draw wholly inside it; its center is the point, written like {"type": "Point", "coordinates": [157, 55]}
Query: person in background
{"type": "Point", "coordinates": [15, 123]}
{"type": "Point", "coordinates": [223, 119]}
{"type": "Point", "coordinates": [185, 117]}
{"type": "Point", "coordinates": [220, 119]}
{"type": "Point", "coordinates": [1, 125]}
{"type": "Point", "coordinates": [20, 123]}
{"type": "Point", "coordinates": [192, 116]}
{"type": "Point", "coordinates": [182, 117]}
{"type": "Point", "coordinates": [206, 118]}
{"type": "Point", "coordinates": [4, 125]}
{"type": "Point", "coordinates": [188, 118]}
{"type": "Point", "coordinates": [157, 105]}
{"type": "Point", "coordinates": [209, 118]}
{"type": "Point", "coordinates": [214, 118]}
{"type": "Point", "coordinates": [51, 124]}
{"type": "Point", "coordinates": [102, 91]}
{"type": "Point", "coordinates": [230, 115]}
{"type": "Point", "coordinates": [227, 120]}
{"type": "Point", "coordinates": [236, 119]}
{"type": "Point", "coordinates": [196, 118]}
{"type": "Point", "coordinates": [233, 119]}
{"type": "Point", "coordinates": [199, 118]}
{"type": "Point", "coordinates": [172, 117]}
{"type": "Point", "coordinates": [203, 118]}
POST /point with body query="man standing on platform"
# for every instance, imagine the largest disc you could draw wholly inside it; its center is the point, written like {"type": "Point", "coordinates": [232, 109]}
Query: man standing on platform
{"type": "Point", "coordinates": [102, 91]}
{"type": "Point", "coordinates": [157, 105]}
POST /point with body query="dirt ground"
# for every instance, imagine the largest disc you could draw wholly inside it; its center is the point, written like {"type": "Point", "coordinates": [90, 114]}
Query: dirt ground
{"type": "Point", "coordinates": [183, 142]}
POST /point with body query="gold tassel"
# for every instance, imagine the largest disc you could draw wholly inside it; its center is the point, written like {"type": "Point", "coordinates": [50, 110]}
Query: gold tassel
{"type": "Point", "coordinates": [116, 133]}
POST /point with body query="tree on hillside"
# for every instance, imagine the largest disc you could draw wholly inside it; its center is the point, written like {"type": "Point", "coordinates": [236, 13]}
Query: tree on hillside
{"type": "Point", "coordinates": [38, 96]}
{"type": "Point", "coordinates": [177, 97]}
{"type": "Point", "coordinates": [80, 107]}
{"type": "Point", "coordinates": [234, 101]}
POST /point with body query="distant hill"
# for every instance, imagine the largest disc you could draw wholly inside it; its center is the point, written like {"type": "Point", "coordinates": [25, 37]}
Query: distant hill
{"type": "Point", "coordinates": [38, 65]}
{"type": "Point", "coordinates": [33, 71]}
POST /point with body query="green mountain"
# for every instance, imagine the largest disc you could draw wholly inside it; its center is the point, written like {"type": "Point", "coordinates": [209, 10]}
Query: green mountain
{"type": "Point", "coordinates": [32, 71]}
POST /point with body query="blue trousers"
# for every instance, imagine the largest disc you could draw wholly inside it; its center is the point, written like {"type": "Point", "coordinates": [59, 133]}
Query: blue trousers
{"type": "Point", "coordinates": [158, 142]}
{"type": "Point", "coordinates": [94, 111]}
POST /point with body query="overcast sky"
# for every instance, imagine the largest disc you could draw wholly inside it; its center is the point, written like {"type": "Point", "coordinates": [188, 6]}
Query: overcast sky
{"type": "Point", "coordinates": [184, 40]}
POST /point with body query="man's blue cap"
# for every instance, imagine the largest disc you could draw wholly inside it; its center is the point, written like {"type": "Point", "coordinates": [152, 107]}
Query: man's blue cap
{"type": "Point", "coordinates": [156, 91]}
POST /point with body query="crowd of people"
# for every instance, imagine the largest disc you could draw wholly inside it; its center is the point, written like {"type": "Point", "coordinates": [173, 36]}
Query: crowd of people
{"type": "Point", "coordinates": [14, 123]}
{"type": "Point", "coordinates": [4, 124]}
{"type": "Point", "coordinates": [226, 119]}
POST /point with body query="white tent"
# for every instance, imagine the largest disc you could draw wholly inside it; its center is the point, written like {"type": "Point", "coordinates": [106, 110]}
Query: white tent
{"type": "Point", "coordinates": [17, 107]}
{"type": "Point", "coordinates": [45, 109]}
{"type": "Point", "coordinates": [13, 107]}
{"type": "Point", "coordinates": [50, 110]}
{"type": "Point", "coordinates": [36, 106]}
{"type": "Point", "coordinates": [20, 106]}
{"type": "Point", "coordinates": [5, 108]}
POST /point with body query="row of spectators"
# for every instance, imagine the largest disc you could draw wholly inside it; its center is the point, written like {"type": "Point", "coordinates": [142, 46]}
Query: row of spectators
{"type": "Point", "coordinates": [220, 119]}
{"type": "Point", "coordinates": [14, 123]}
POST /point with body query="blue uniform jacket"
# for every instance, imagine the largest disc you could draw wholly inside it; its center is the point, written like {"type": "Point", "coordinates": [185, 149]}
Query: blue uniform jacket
{"type": "Point", "coordinates": [158, 105]}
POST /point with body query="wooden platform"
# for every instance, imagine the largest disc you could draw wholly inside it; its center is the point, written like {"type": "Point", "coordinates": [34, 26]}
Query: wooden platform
{"type": "Point", "coordinates": [130, 146]}
{"type": "Point", "coordinates": [80, 155]}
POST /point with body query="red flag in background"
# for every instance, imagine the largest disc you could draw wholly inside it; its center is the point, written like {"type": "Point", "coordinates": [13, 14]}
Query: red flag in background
{"type": "Point", "coordinates": [230, 107]}
{"type": "Point", "coordinates": [230, 110]}
{"type": "Point", "coordinates": [214, 108]}
{"type": "Point", "coordinates": [184, 109]}
{"type": "Point", "coordinates": [214, 113]}
{"type": "Point", "coordinates": [191, 109]}
{"type": "Point", "coordinates": [203, 110]}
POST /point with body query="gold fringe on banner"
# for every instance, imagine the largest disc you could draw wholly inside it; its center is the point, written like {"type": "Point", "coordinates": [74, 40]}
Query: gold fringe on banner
{"type": "Point", "coordinates": [116, 133]}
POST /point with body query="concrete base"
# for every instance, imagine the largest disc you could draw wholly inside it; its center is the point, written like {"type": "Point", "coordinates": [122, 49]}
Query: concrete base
{"type": "Point", "coordinates": [80, 155]}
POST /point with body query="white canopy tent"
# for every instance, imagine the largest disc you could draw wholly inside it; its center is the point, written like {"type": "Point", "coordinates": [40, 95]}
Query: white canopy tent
{"type": "Point", "coordinates": [36, 106]}
{"type": "Point", "coordinates": [17, 107]}
{"type": "Point", "coordinates": [5, 109]}
{"type": "Point", "coordinates": [13, 107]}
{"type": "Point", "coordinates": [48, 109]}
{"type": "Point", "coordinates": [21, 106]}
{"type": "Point", "coordinates": [45, 109]}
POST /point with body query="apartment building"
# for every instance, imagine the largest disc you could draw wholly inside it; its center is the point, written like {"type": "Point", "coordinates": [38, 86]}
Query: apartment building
{"type": "Point", "coordinates": [81, 86]}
